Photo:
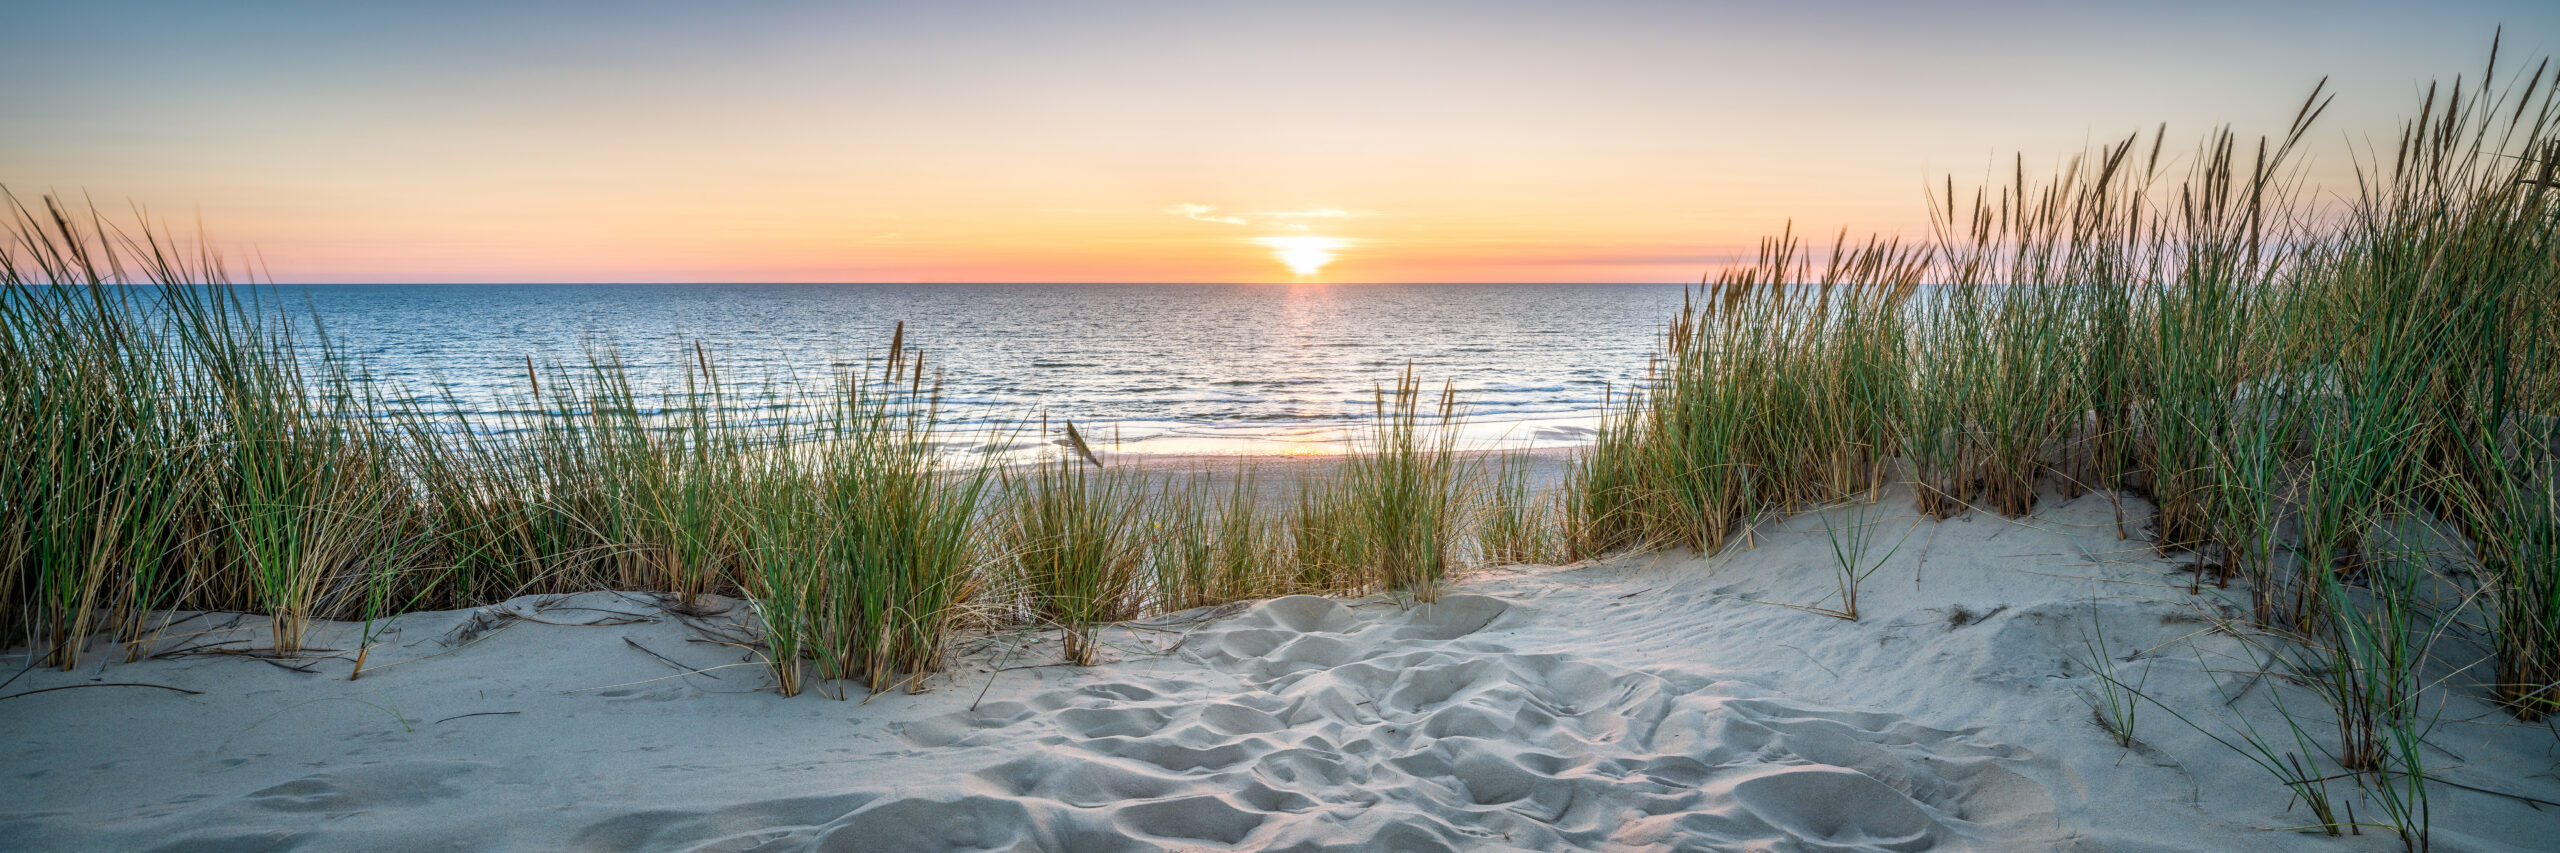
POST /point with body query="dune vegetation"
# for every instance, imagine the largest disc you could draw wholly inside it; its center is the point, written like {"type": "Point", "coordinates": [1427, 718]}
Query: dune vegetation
{"type": "Point", "coordinates": [2342, 403]}
{"type": "Point", "coordinates": [2345, 409]}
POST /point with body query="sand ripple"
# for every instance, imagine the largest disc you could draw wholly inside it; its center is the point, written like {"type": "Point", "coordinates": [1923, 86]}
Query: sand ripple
{"type": "Point", "coordinates": [1416, 729]}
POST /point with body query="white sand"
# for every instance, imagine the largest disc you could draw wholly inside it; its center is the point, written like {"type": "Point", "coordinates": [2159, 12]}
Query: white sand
{"type": "Point", "coordinates": [1642, 703]}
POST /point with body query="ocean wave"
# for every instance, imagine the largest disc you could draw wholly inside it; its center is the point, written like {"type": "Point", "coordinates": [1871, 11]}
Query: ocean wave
{"type": "Point", "coordinates": [1164, 359]}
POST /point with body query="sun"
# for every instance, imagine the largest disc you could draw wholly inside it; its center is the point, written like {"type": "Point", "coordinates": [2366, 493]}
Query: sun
{"type": "Point", "coordinates": [1303, 255]}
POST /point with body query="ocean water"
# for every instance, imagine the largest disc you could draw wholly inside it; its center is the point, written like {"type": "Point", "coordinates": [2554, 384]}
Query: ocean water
{"type": "Point", "coordinates": [1152, 368]}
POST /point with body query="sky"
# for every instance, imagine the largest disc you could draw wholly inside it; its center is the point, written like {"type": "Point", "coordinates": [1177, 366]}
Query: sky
{"type": "Point", "coordinates": [1139, 141]}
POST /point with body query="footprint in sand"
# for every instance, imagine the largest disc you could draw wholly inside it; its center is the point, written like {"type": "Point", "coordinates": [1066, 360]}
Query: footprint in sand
{"type": "Point", "coordinates": [1411, 729]}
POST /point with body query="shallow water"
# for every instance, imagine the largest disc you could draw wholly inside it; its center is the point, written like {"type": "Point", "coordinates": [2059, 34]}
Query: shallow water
{"type": "Point", "coordinates": [1179, 368]}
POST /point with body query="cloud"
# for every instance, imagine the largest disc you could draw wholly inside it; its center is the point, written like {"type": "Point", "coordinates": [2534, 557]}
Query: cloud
{"type": "Point", "coordinates": [1202, 213]}
{"type": "Point", "coordinates": [1209, 213]}
{"type": "Point", "coordinates": [1321, 212]}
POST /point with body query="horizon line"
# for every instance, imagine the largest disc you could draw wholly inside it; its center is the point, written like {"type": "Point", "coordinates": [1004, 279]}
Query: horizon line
{"type": "Point", "coordinates": [884, 282]}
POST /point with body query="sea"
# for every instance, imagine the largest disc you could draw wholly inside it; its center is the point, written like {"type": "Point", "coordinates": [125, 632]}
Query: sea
{"type": "Point", "coordinates": [1139, 368]}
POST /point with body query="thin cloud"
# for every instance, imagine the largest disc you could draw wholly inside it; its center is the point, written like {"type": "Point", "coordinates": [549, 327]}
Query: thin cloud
{"type": "Point", "coordinates": [1318, 213]}
{"type": "Point", "coordinates": [1203, 213]}
{"type": "Point", "coordinates": [1279, 218]}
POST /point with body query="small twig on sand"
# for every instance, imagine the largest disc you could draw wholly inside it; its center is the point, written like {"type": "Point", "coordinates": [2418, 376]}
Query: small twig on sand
{"type": "Point", "coordinates": [645, 650]}
{"type": "Point", "coordinates": [2244, 689]}
{"type": "Point", "coordinates": [991, 676]}
{"type": "Point", "coordinates": [480, 714]}
{"type": "Point", "coordinates": [2536, 804]}
{"type": "Point", "coordinates": [188, 651]}
{"type": "Point", "coordinates": [104, 684]}
{"type": "Point", "coordinates": [298, 654]}
{"type": "Point", "coordinates": [304, 669]}
{"type": "Point", "coordinates": [600, 623]}
{"type": "Point", "coordinates": [623, 613]}
{"type": "Point", "coordinates": [719, 636]}
{"type": "Point", "coordinates": [1808, 656]}
{"type": "Point", "coordinates": [31, 667]}
{"type": "Point", "coordinates": [660, 678]}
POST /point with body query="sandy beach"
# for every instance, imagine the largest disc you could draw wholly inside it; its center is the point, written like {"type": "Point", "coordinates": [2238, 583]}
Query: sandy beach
{"type": "Point", "coordinates": [1659, 702]}
{"type": "Point", "coordinates": [1425, 426]}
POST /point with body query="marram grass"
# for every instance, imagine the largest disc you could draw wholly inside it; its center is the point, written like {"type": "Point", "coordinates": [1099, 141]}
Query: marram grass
{"type": "Point", "coordinates": [2284, 380]}
{"type": "Point", "coordinates": [2285, 376]}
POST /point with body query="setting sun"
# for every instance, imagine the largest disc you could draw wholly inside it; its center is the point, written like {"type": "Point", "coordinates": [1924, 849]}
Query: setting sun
{"type": "Point", "coordinates": [1303, 255]}
{"type": "Point", "coordinates": [991, 359]}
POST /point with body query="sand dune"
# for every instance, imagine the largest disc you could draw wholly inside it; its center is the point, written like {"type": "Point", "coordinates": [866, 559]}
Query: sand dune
{"type": "Point", "coordinates": [1649, 703]}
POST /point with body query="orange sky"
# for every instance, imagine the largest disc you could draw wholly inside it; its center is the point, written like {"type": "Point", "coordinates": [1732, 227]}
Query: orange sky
{"type": "Point", "coordinates": [1132, 141]}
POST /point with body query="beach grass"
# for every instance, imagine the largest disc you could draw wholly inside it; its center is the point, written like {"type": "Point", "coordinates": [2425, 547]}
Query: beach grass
{"type": "Point", "coordinates": [1073, 536]}
{"type": "Point", "coordinates": [2284, 382]}
{"type": "Point", "coordinates": [1403, 484]}
{"type": "Point", "coordinates": [1516, 522]}
{"type": "Point", "coordinates": [1211, 545]}
{"type": "Point", "coordinates": [2286, 377]}
{"type": "Point", "coordinates": [906, 555]}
